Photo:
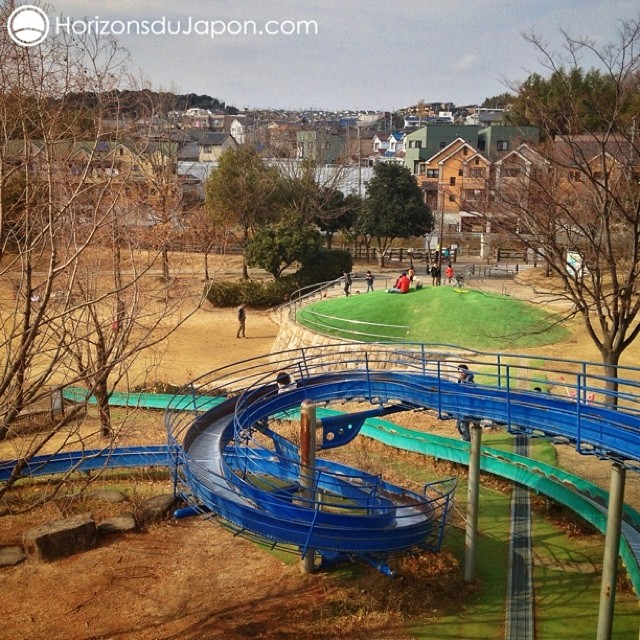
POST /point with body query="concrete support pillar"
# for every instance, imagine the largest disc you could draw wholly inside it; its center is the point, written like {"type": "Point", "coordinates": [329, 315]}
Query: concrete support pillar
{"type": "Point", "coordinates": [473, 502]}
{"type": "Point", "coordinates": [307, 468]}
{"type": "Point", "coordinates": [611, 552]}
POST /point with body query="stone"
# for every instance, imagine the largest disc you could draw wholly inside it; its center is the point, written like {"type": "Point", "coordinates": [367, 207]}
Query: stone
{"type": "Point", "coordinates": [156, 509]}
{"type": "Point", "coordinates": [117, 524]}
{"type": "Point", "coordinates": [60, 538]}
{"type": "Point", "coordinates": [10, 556]}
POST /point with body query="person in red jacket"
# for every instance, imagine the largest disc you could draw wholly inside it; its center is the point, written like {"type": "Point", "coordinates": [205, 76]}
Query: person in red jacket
{"type": "Point", "coordinates": [448, 272]}
{"type": "Point", "coordinates": [402, 284]}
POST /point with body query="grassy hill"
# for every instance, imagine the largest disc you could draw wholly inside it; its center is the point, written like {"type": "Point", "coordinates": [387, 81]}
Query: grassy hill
{"type": "Point", "coordinates": [444, 315]}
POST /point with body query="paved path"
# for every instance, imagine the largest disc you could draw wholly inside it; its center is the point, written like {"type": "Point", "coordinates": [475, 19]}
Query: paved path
{"type": "Point", "coordinates": [520, 614]}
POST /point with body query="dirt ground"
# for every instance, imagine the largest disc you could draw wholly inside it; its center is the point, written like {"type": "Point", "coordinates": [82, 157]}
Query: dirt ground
{"type": "Point", "coordinates": [192, 579]}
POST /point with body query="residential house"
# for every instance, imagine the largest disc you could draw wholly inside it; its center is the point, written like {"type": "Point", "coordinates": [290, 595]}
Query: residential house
{"type": "Point", "coordinates": [202, 119]}
{"type": "Point", "coordinates": [212, 144]}
{"type": "Point", "coordinates": [280, 139]}
{"type": "Point", "coordinates": [396, 142]}
{"type": "Point", "coordinates": [424, 143]}
{"type": "Point", "coordinates": [497, 140]}
{"type": "Point", "coordinates": [515, 174]}
{"type": "Point", "coordinates": [359, 142]}
{"type": "Point", "coordinates": [493, 141]}
{"type": "Point", "coordinates": [455, 183]}
{"type": "Point", "coordinates": [486, 117]}
{"type": "Point", "coordinates": [380, 143]}
{"type": "Point", "coordinates": [133, 179]}
{"type": "Point", "coordinates": [322, 147]}
{"type": "Point", "coordinates": [236, 126]}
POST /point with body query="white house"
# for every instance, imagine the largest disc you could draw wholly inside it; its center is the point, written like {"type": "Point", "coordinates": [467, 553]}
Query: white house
{"type": "Point", "coordinates": [380, 143]}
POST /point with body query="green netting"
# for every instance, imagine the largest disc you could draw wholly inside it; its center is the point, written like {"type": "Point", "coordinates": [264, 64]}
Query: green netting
{"type": "Point", "coordinates": [147, 400]}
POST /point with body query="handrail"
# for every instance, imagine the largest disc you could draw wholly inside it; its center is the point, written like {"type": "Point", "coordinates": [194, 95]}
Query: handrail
{"type": "Point", "coordinates": [567, 380]}
{"type": "Point", "coordinates": [329, 329]}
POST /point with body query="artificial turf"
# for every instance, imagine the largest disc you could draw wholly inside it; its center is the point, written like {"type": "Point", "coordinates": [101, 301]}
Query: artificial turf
{"type": "Point", "coordinates": [440, 315]}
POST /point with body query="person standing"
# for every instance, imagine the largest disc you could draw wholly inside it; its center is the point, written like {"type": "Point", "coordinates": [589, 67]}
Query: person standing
{"type": "Point", "coordinates": [242, 320]}
{"type": "Point", "coordinates": [449, 273]}
{"type": "Point", "coordinates": [347, 284]}
{"type": "Point", "coordinates": [369, 280]}
{"type": "Point", "coordinates": [435, 274]}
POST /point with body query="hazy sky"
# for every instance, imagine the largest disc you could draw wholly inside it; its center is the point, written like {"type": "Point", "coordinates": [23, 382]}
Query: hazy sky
{"type": "Point", "coordinates": [359, 54]}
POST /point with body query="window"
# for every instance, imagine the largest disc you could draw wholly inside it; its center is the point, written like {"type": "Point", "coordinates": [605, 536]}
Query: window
{"type": "Point", "coordinates": [477, 172]}
{"type": "Point", "coordinates": [502, 145]}
{"type": "Point", "coordinates": [452, 181]}
{"type": "Point", "coordinates": [418, 144]}
{"type": "Point", "coordinates": [460, 172]}
{"type": "Point", "coordinates": [433, 173]}
{"type": "Point", "coordinates": [473, 195]}
{"type": "Point", "coordinates": [452, 197]}
{"type": "Point", "coordinates": [482, 145]}
{"type": "Point", "coordinates": [465, 151]}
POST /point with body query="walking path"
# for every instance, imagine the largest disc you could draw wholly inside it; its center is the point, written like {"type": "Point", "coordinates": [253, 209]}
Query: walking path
{"type": "Point", "coordinates": [520, 613]}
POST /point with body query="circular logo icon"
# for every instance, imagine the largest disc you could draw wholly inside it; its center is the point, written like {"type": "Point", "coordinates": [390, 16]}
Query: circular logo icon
{"type": "Point", "coordinates": [28, 25]}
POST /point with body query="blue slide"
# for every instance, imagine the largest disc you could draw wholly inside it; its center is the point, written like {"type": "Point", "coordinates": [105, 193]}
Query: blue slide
{"type": "Point", "coordinates": [233, 450]}
{"type": "Point", "coordinates": [235, 461]}
{"type": "Point", "coordinates": [237, 466]}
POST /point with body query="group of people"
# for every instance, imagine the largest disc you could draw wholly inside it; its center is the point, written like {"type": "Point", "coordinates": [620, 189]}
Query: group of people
{"type": "Point", "coordinates": [402, 285]}
{"type": "Point", "coordinates": [348, 281]}
{"type": "Point", "coordinates": [449, 274]}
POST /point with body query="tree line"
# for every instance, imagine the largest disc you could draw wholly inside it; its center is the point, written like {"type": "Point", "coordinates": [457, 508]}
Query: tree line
{"type": "Point", "coordinates": [279, 217]}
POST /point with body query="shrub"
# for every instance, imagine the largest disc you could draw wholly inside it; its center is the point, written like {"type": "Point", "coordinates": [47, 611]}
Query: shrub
{"type": "Point", "coordinates": [255, 294]}
{"type": "Point", "coordinates": [324, 265]}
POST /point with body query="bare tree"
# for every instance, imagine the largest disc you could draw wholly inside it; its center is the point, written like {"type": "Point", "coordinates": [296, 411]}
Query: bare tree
{"type": "Point", "coordinates": [64, 176]}
{"type": "Point", "coordinates": [575, 200]}
{"type": "Point", "coordinates": [121, 311]}
{"type": "Point", "coordinates": [205, 237]}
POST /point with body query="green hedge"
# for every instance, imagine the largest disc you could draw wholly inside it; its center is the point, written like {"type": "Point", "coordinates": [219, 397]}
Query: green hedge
{"type": "Point", "coordinates": [258, 295]}
{"type": "Point", "coordinates": [321, 266]}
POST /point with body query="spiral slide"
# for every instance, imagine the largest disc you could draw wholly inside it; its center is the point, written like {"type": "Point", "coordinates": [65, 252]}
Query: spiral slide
{"type": "Point", "coordinates": [234, 461]}
{"type": "Point", "coordinates": [232, 451]}
{"type": "Point", "coordinates": [235, 465]}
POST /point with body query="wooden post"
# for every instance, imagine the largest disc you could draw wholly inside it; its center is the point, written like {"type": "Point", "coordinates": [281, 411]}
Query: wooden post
{"type": "Point", "coordinates": [307, 468]}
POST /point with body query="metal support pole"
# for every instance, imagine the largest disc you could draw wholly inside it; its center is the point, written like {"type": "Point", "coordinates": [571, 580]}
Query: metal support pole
{"type": "Point", "coordinates": [473, 501]}
{"type": "Point", "coordinates": [307, 468]}
{"type": "Point", "coordinates": [611, 551]}
{"type": "Point", "coordinates": [440, 241]}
